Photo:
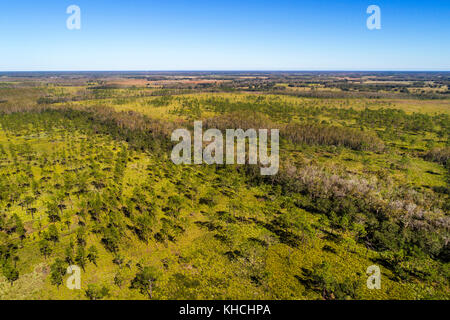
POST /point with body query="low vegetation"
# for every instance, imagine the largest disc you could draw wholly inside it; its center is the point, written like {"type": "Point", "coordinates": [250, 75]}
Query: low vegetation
{"type": "Point", "coordinates": [87, 180]}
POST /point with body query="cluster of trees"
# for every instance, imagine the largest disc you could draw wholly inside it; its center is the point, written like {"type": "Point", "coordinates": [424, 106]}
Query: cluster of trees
{"type": "Point", "coordinates": [402, 220]}
{"type": "Point", "coordinates": [319, 134]}
{"type": "Point", "coordinates": [323, 280]}
{"type": "Point", "coordinates": [79, 256]}
{"type": "Point", "coordinates": [12, 233]}
{"type": "Point", "coordinates": [301, 133]}
{"type": "Point", "coordinates": [400, 120]}
{"type": "Point", "coordinates": [162, 101]}
{"type": "Point", "coordinates": [440, 155]}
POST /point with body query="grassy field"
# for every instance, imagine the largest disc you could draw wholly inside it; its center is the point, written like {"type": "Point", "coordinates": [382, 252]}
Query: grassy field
{"type": "Point", "coordinates": [86, 179]}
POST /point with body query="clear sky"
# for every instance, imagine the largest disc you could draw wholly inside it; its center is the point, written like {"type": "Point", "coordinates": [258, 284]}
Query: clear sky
{"type": "Point", "coordinates": [224, 35]}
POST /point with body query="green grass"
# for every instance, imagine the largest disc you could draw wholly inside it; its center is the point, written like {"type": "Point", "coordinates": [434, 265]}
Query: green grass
{"type": "Point", "coordinates": [222, 242]}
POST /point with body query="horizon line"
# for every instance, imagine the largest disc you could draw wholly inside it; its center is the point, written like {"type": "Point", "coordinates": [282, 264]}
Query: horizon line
{"type": "Point", "coordinates": [235, 70]}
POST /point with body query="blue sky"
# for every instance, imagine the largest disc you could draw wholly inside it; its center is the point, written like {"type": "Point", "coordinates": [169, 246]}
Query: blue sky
{"type": "Point", "coordinates": [224, 35]}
